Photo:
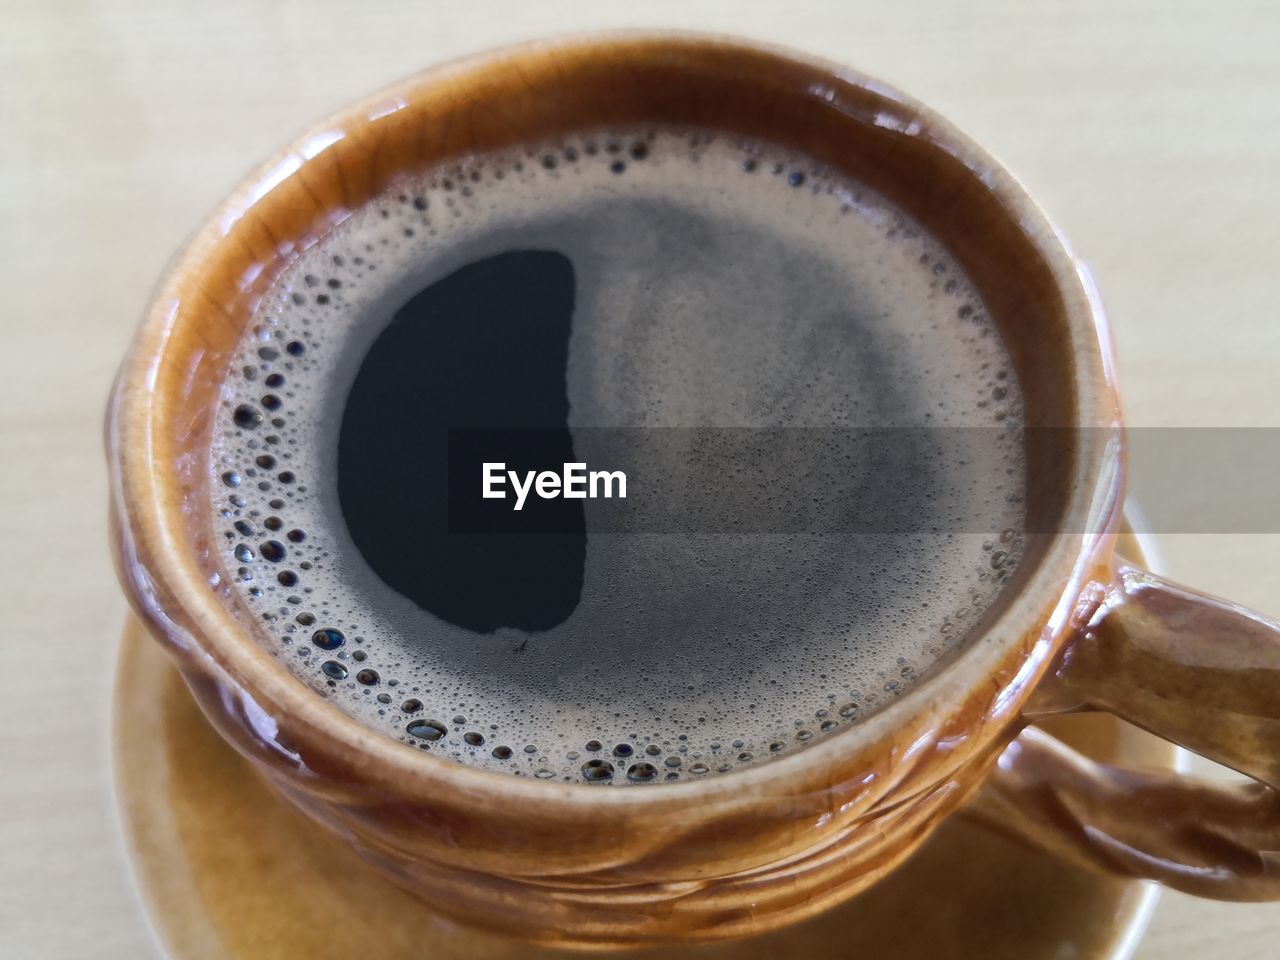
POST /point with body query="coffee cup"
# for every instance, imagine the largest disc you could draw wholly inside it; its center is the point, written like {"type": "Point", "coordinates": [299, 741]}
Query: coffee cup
{"type": "Point", "coordinates": [770, 843]}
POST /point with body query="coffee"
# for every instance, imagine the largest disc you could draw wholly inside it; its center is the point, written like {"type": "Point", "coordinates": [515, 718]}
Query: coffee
{"type": "Point", "coordinates": [638, 279]}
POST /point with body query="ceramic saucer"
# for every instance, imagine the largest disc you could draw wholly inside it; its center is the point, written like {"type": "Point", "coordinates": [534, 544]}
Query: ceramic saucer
{"type": "Point", "coordinates": [227, 871]}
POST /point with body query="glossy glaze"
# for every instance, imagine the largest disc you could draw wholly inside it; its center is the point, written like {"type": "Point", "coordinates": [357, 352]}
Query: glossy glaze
{"type": "Point", "coordinates": [1203, 673]}
{"type": "Point", "coordinates": [211, 846]}
{"type": "Point", "coordinates": [565, 863]}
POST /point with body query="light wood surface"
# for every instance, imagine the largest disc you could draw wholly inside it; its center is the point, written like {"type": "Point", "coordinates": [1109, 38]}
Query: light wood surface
{"type": "Point", "coordinates": [1149, 130]}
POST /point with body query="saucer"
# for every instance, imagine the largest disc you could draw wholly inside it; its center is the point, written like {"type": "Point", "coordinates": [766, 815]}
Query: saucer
{"type": "Point", "coordinates": [228, 871]}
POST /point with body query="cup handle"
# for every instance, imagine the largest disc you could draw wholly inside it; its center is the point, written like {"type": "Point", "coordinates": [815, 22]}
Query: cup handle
{"type": "Point", "coordinates": [1198, 671]}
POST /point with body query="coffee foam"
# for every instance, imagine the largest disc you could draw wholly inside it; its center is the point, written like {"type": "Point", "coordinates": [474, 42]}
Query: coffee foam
{"type": "Point", "coordinates": [719, 283]}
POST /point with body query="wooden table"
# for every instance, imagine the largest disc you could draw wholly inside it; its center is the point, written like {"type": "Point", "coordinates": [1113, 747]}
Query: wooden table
{"type": "Point", "coordinates": [1149, 129]}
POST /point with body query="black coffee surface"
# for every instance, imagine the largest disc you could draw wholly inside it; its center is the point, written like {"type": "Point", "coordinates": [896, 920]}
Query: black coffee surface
{"type": "Point", "coordinates": [684, 287]}
{"type": "Point", "coordinates": [485, 347]}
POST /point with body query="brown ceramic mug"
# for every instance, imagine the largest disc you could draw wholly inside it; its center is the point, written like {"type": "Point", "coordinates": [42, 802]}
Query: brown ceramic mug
{"type": "Point", "coordinates": [750, 851]}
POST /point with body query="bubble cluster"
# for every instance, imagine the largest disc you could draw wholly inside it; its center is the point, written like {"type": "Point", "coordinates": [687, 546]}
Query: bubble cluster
{"type": "Point", "coordinates": [720, 283]}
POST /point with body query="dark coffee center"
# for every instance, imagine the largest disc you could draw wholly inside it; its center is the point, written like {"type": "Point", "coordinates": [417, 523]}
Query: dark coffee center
{"type": "Point", "coordinates": [485, 347]}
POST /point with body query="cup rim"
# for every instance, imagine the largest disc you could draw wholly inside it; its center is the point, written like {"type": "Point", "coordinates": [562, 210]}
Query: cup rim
{"type": "Point", "coordinates": [147, 510]}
